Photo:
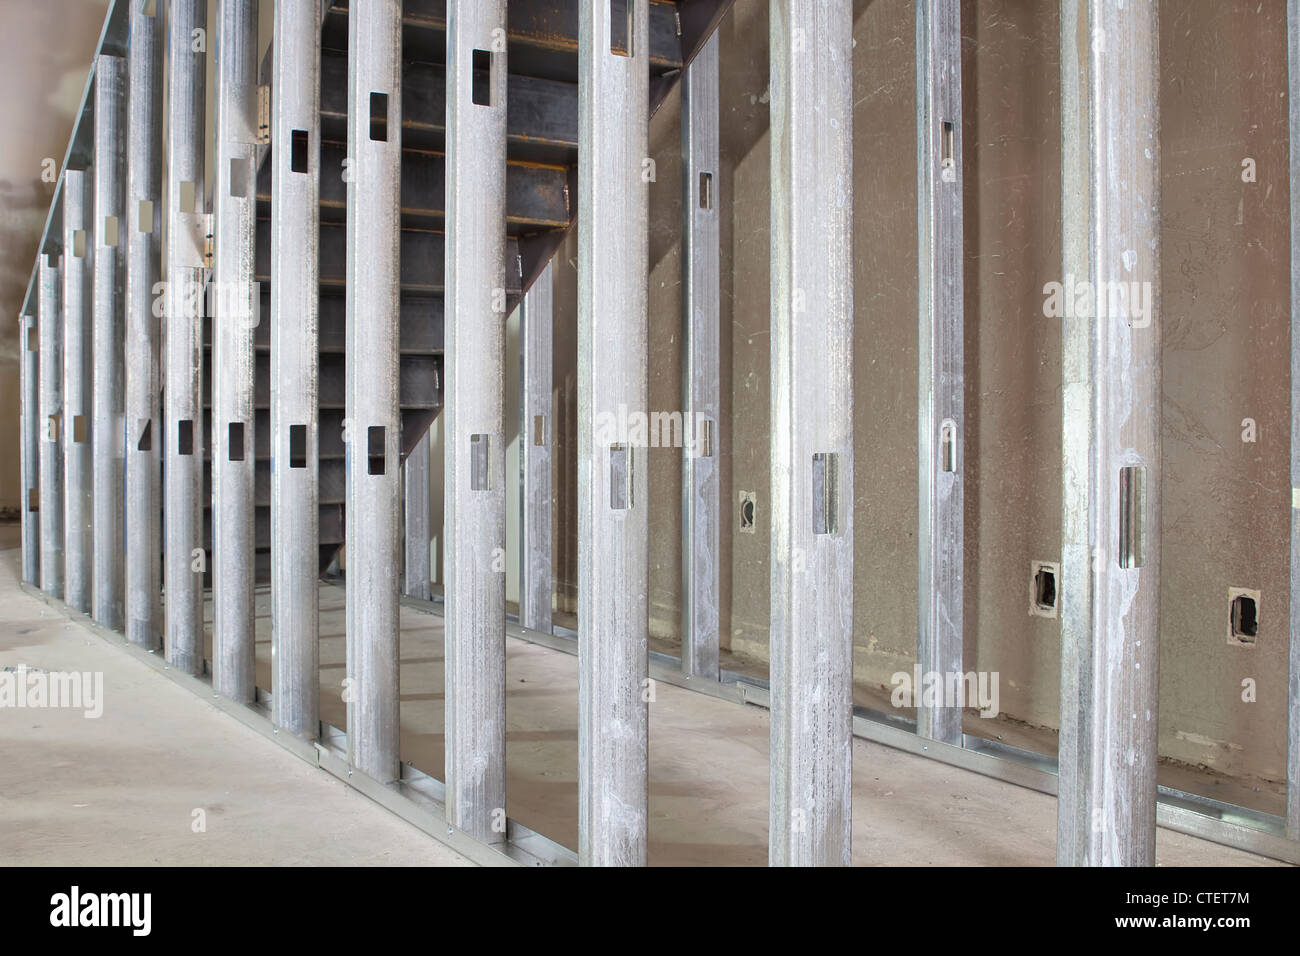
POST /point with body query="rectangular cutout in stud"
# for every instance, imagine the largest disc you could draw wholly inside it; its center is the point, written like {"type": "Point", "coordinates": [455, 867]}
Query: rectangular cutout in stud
{"type": "Point", "coordinates": [376, 448]}
{"type": "Point", "coordinates": [187, 197]}
{"type": "Point", "coordinates": [79, 243]}
{"type": "Point", "coordinates": [298, 140]}
{"type": "Point", "coordinates": [480, 450]}
{"type": "Point", "coordinates": [1132, 494]}
{"type": "Point", "coordinates": [704, 438]}
{"type": "Point", "coordinates": [52, 428]}
{"type": "Point", "coordinates": [144, 428]}
{"type": "Point", "coordinates": [149, 8]}
{"type": "Point", "coordinates": [263, 135]}
{"type": "Point", "coordinates": [297, 446]}
{"type": "Point", "coordinates": [1043, 594]}
{"type": "Point", "coordinates": [33, 499]}
{"type": "Point", "coordinates": [379, 118]}
{"type": "Point", "coordinates": [706, 190]}
{"type": "Point", "coordinates": [947, 144]}
{"type": "Point", "coordinates": [79, 429]}
{"type": "Point", "coordinates": [235, 441]}
{"type": "Point", "coordinates": [481, 85]}
{"type": "Point", "coordinates": [110, 230]}
{"type": "Point", "coordinates": [185, 437]}
{"type": "Point", "coordinates": [146, 215]}
{"type": "Point", "coordinates": [948, 446]}
{"type": "Point", "coordinates": [620, 477]}
{"type": "Point", "coordinates": [748, 511]}
{"type": "Point", "coordinates": [621, 19]}
{"type": "Point", "coordinates": [825, 493]}
{"type": "Point", "coordinates": [539, 430]}
{"type": "Point", "coordinates": [238, 177]}
{"type": "Point", "coordinates": [1243, 616]}
{"type": "Point", "coordinates": [33, 339]}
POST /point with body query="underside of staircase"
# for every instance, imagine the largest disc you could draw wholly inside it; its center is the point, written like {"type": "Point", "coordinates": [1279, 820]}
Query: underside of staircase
{"type": "Point", "coordinates": [541, 205]}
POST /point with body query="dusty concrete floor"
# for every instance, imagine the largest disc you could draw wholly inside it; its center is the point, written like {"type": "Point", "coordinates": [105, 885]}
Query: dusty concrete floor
{"type": "Point", "coordinates": [121, 789]}
{"type": "Point", "coordinates": [708, 768]}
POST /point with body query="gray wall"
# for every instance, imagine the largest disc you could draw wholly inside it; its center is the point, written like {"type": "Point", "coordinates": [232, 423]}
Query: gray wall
{"type": "Point", "coordinates": [1224, 325]}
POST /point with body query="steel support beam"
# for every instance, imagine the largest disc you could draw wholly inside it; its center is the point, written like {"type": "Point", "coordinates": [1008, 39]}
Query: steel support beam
{"type": "Point", "coordinates": [475, 458]}
{"type": "Point", "coordinates": [234, 309]}
{"type": "Point", "coordinates": [536, 438]}
{"type": "Point", "coordinates": [701, 371]}
{"type": "Point", "coordinates": [108, 379]}
{"type": "Point", "coordinates": [940, 421]}
{"type": "Point", "coordinates": [29, 400]}
{"type": "Point", "coordinates": [1293, 684]}
{"type": "Point", "coordinates": [415, 520]}
{"type": "Point", "coordinates": [51, 418]}
{"type": "Point", "coordinates": [812, 432]}
{"type": "Point", "coordinates": [1106, 813]}
{"type": "Point", "coordinates": [373, 420]}
{"type": "Point", "coordinates": [183, 556]}
{"type": "Point", "coordinates": [613, 551]}
{"type": "Point", "coordinates": [143, 231]}
{"type": "Point", "coordinates": [295, 369]}
{"type": "Point", "coordinates": [78, 497]}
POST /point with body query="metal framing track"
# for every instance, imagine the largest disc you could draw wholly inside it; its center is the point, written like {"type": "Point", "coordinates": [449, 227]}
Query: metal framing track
{"type": "Point", "coordinates": [613, 499]}
{"type": "Point", "coordinates": [1110, 553]}
{"type": "Point", "coordinates": [142, 228]}
{"type": "Point", "coordinates": [811, 630]}
{"type": "Point", "coordinates": [475, 494]}
{"type": "Point", "coordinates": [940, 416]}
{"type": "Point", "coordinates": [374, 520]}
{"type": "Point", "coordinates": [108, 583]}
{"type": "Point", "coordinates": [184, 559]}
{"type": "Point", "coordinates": [536, 439]}
{"type": "Point", "coordinates": [235, 304]}
{"type": "Point", "coordinates": [295, 368]}
{"type": "Point", "coordinates": [51, 415]}
{"type": "Point", "coordinates": [701, 365]}
{"type": "Point", "coordinates": [77, 478]}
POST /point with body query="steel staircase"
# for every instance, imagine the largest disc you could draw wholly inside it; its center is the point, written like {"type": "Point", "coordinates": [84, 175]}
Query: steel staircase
{"type": "Point", "coordinates": [541, 179]}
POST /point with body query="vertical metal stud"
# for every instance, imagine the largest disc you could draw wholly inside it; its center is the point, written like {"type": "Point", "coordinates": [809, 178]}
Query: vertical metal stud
{"type": "Point", "coordinates": [940, 420]}
{"type": "Point", "coordinates": [234, 311]}
{"type": "Point", "coordinates": [183, 556]}
{"type": "Point", "coordinates": [1106, 811]}
{"type": "Point", "coordinates": [613, 552]}
{"type": "Point", "coordinates": [29, 376]}
{"type": "Point", "coordinates": [536, 435]}
{"type": "Point", "coordinates": [415, 520]}
{"type": "Point", "coordinates": [295, 372]}
{"type": "Point", "coordinates": [475, 348]}
{"type": "Point", "coordinates": [51, 415]}
{"type": "Point", "coordinates": [78, 498]}
{"type": "Point", "coordinates": [107, 568]}
{"type": "Point", "coordinates": [812, 432]}
{"type": "Point", "coordinates": [701, 373]}
{"type": "Point", "coordinates": [1293, 685]}
{"type": "Point", "coordinates": [143, 412]}
{"type": "Point", "coordinates": [373, 418]}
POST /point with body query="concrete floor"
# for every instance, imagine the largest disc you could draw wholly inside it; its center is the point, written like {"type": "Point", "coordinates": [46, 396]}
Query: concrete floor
{"type": "Point", "coordinates": [121, 789]}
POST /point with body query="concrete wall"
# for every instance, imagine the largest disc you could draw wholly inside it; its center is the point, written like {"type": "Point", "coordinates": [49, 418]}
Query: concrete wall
{"type": "Point", "coordinates": [1224, 327]}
